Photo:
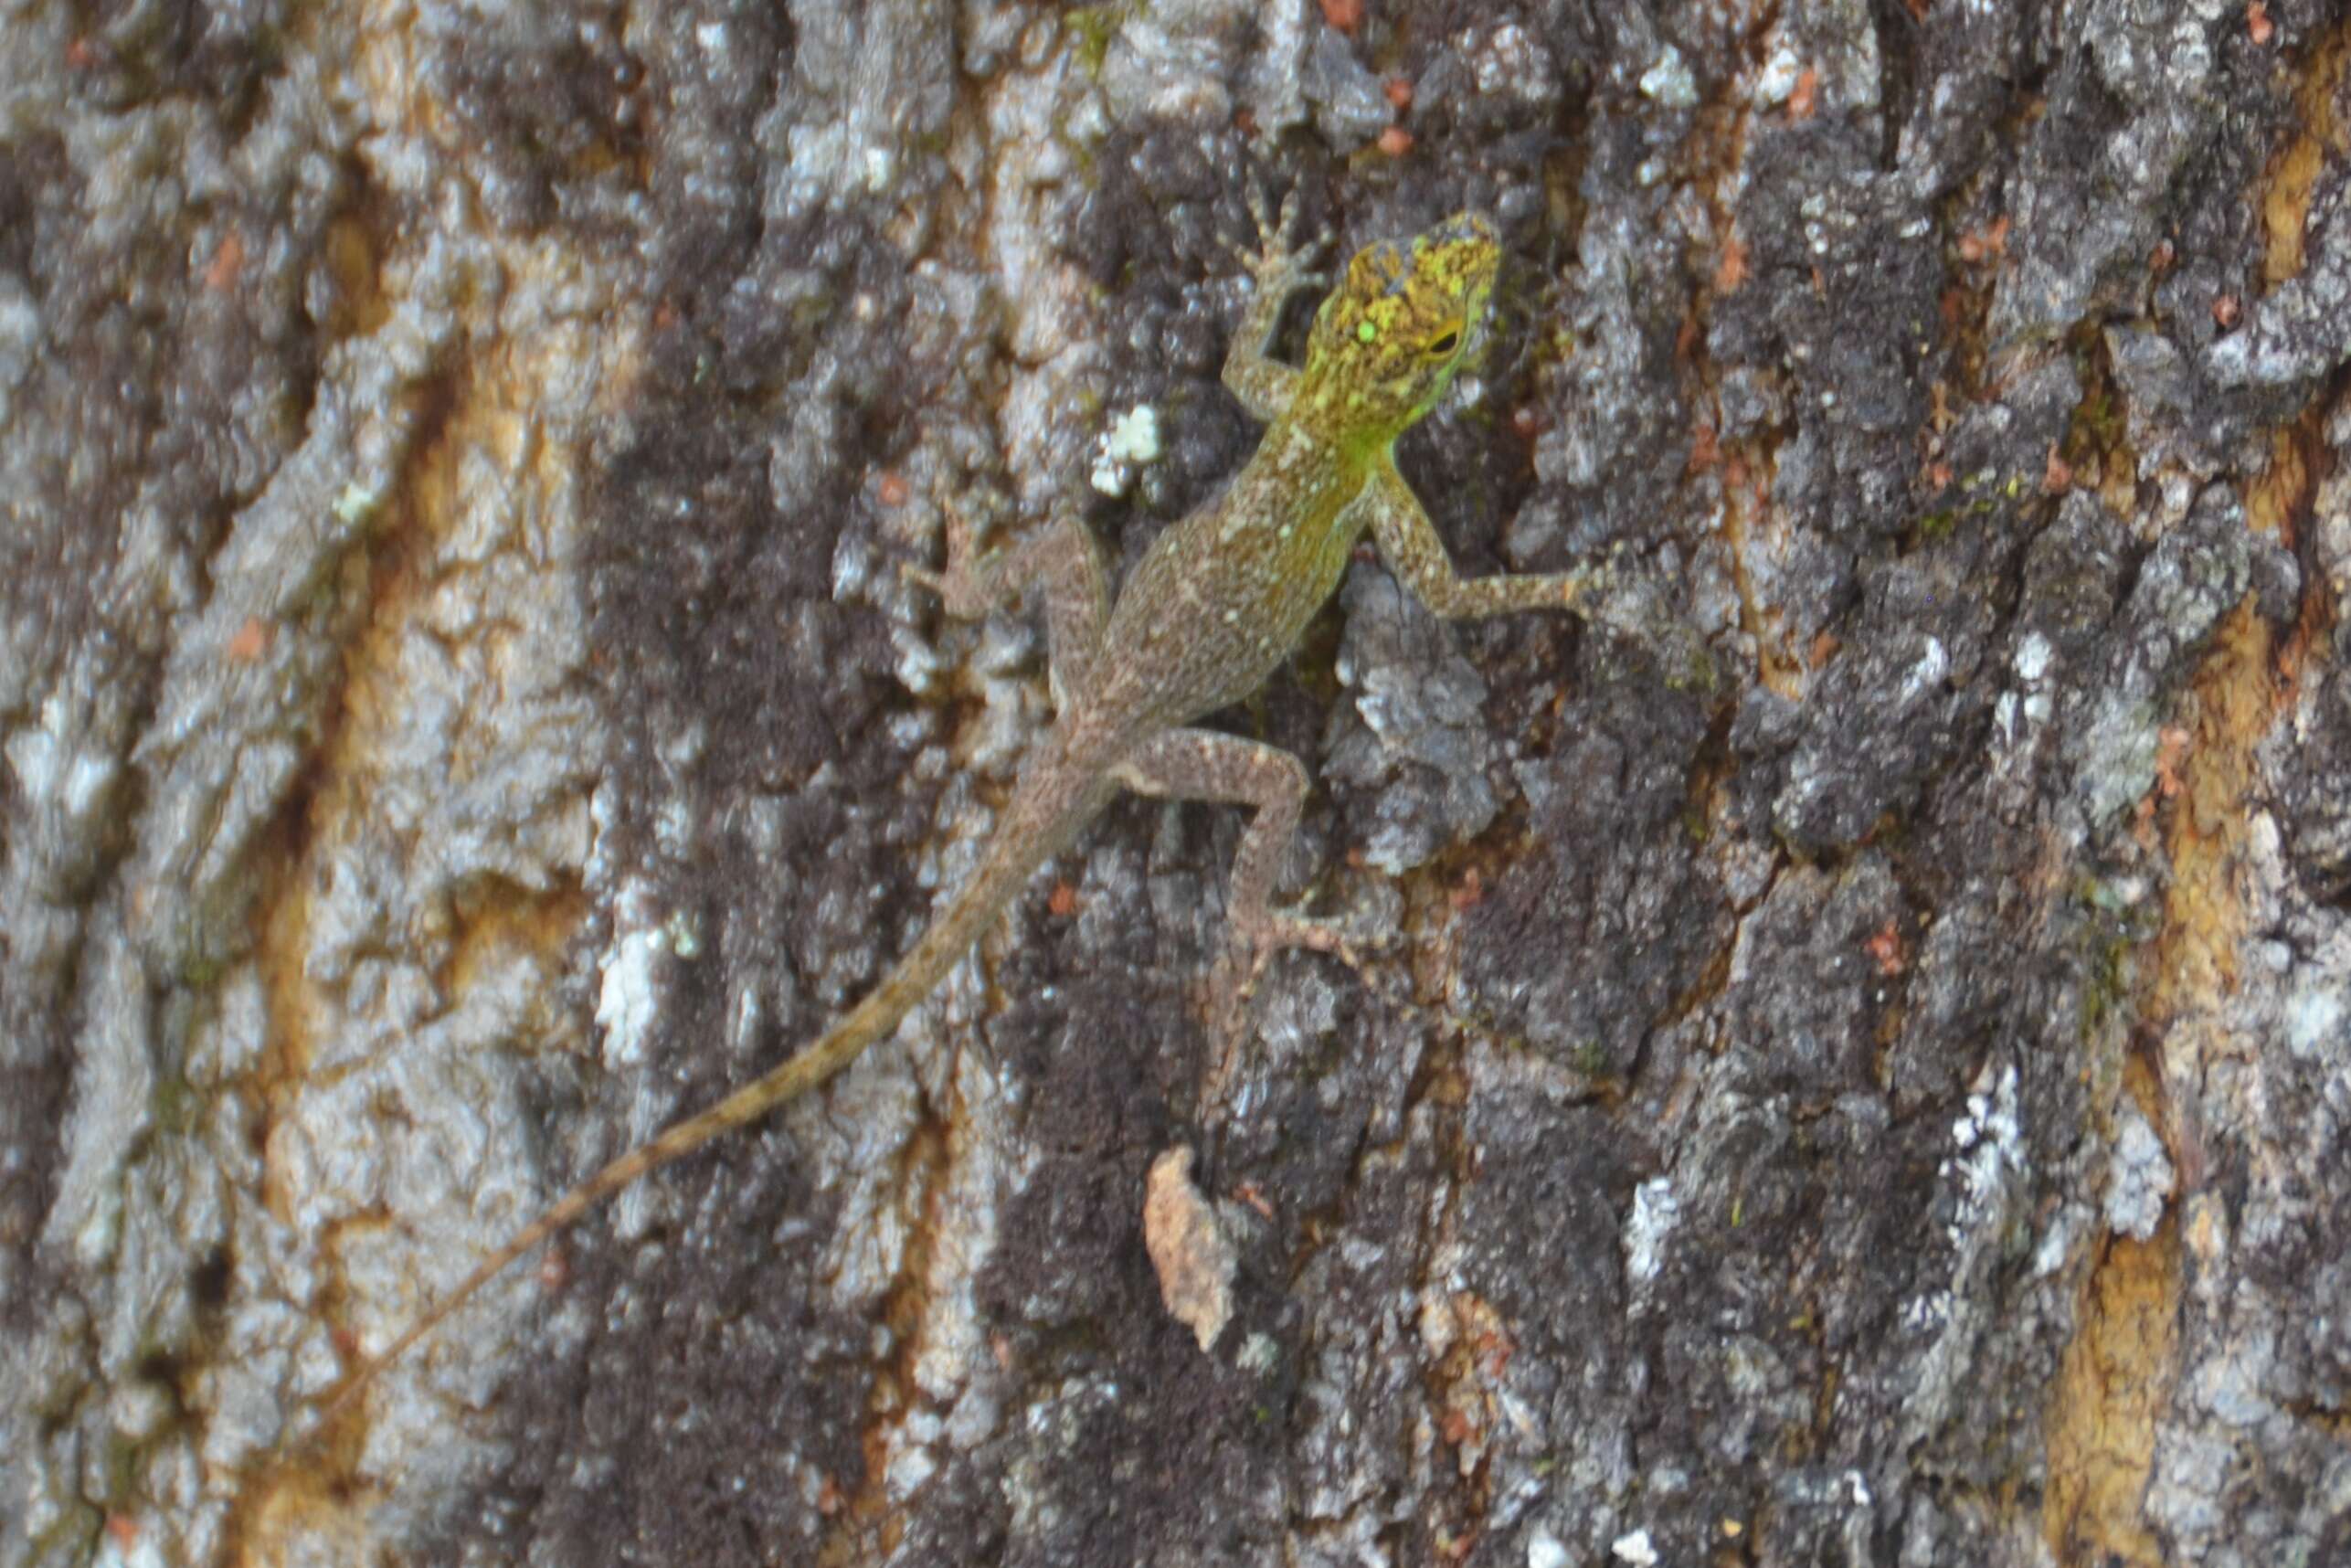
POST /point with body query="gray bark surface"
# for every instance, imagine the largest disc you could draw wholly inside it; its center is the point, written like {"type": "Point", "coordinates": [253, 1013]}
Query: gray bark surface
{"type": "Point", "coordinates": [1864, 1073]}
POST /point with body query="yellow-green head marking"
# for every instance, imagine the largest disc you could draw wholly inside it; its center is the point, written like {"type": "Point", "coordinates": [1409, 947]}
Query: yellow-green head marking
{"type": "Point", "coordinates": [1387, 342]}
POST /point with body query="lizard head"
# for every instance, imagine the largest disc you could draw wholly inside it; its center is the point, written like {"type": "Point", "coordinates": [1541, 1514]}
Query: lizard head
{"type": "Point", "coordinates": [1387, 342]}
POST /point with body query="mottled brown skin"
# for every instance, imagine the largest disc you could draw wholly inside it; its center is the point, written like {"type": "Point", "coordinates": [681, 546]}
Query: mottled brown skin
{"type": "Point", "coordinates": [1221, 600]}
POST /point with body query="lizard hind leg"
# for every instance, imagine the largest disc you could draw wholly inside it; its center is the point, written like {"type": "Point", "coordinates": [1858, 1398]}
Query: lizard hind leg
{"type": "Point", "coordinates": [1203, 765]}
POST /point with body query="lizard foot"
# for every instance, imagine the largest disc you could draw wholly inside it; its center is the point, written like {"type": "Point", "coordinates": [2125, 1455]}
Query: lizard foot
{"type": "Point", "coordinates": [1232, 981]}
{"type": "Point", "coordinates": [965, 590]}
{"type": "Point", "coordinates": [1254, 942]}
{"type": "Point", "coordinates": [1278, 266]}
{"type": "Point", "coordinates": [1345, 939]}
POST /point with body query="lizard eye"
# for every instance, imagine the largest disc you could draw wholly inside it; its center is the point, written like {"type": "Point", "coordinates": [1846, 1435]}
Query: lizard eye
{"type": "Point", "coordinates": [1444, 343]}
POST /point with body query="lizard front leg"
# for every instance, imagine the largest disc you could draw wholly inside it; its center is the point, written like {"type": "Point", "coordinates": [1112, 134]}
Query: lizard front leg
{"type": "Point", "coordinates": [1264, 386]}
{"type": "Point", "coordinates": [1062, 556]}
{"type": "Point", "coordinates": [1409, 542]}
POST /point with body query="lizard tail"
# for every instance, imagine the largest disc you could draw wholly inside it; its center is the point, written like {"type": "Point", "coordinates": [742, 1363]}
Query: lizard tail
{"type": "Point", "coordinates": [1038, 824]}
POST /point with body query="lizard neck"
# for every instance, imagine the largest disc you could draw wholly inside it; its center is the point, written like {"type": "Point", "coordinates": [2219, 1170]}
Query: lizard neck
{"type": "Point", "coordinates": [1292, 507]}
{"type": "Point", "coordinates": [1348, 419]}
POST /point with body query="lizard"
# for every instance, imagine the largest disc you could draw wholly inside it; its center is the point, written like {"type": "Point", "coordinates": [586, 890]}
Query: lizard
{"type": "Point", "coordinates": [1220, 598]}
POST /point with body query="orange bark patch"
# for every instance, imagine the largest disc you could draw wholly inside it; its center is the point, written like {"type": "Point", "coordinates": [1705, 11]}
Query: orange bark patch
{"type": "Point", "coordinates": [2118, 1375]}
{"type": "Point", "coordinates": [1986, 244]}
{"type": "Point", "coordinates": [2057, 476]}
{"type": "Point", "coordinates": [2110, 1388]}
{"type": "Point", "coordinates": [1731, 267]}
{"type": "Point", "coordinates": [251, 641]}
{"type": "Point", "coordinates": [2292, 173]}
{"type": "Point", "coordinates": [1806, 96]}
{"type": "Point", "coordinates": [226, 262]}
{"type": "Point", "coordinates": [1705, 447]}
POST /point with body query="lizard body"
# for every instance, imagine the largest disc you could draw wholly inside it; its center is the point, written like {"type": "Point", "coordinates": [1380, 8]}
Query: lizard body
{"type": "Point", "coordinates": [1220, 599]}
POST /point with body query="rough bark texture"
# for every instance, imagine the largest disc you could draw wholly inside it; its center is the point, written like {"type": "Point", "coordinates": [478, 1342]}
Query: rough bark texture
{"type": "Point", "coordinates": [1865, 1080]}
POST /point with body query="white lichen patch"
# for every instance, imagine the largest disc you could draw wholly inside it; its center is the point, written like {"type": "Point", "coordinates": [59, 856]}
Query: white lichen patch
{"type": "Point", "coordinates": [628, 999]}
{"type": "Point", "coordinates": [1544, 1551]}
{"type": "Point", "coordinates": [2139, 1182]}
{"type": "Point", "coordinates": [1990, 1141]}
{"type": "Point", "coordinates": [354, 502]}
{"type": "Point", "coordinates": [1635, 1548]}
{"type": "Point", "coordinates": [2313, 1019]}
{"type": "Point", "coordinates": [1667, 80]}
{"type": "Point", "coordinates": [1781, 70]}
{"type": "Point", "coordinates": [1656, 1214]}
{"type": "Point", "coordinates": [1132, 441]}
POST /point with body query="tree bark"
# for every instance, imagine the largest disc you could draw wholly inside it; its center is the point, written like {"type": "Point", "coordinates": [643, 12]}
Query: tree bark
{"type": "Point", "coordinates": [1863, 1071]}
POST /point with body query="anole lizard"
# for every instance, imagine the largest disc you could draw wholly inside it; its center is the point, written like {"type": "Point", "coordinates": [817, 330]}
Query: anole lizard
{"type": "Point", "coordinates": [1220, 599]}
